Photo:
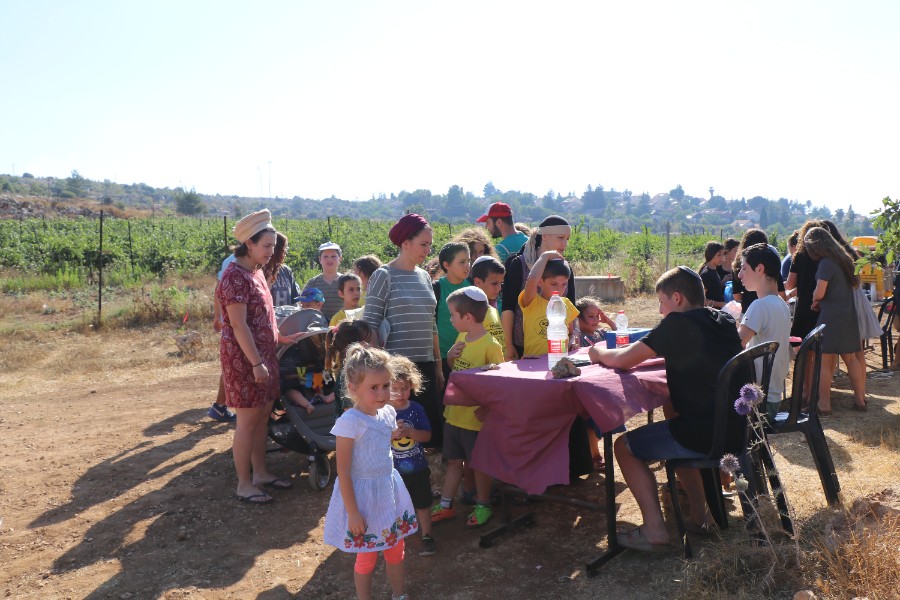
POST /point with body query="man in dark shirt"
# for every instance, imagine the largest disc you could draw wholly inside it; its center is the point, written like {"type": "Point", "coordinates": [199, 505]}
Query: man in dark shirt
{"type": "Point", "coordinates": [696, 342]}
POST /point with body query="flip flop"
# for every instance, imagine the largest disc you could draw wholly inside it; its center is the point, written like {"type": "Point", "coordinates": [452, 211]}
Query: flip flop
{"type": "Point", "coordinates": [252, 499]}
{"type": "Point", "coordinates": [860, 407]}
{"type": "Point", "coordinates": [278, 484]}
{"type": "Point", "coordinates": [635, 540]}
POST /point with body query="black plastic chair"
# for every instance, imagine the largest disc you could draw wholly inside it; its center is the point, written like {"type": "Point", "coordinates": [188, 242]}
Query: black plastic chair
{"type": "Point", "coordinates": [806, 421]}
{"type": "Point", "coordinates": [739, 369]}
{"type": "Point", "coordinates": [888, 313]}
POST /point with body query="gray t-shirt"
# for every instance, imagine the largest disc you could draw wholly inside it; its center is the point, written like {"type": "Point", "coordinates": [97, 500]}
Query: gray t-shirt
{"type": "Point", "coordinates": [770, 318]}
{"type": "Point", "coordinates": [333, 302]}
{"type": "Point", "coordinates": [406, 299]}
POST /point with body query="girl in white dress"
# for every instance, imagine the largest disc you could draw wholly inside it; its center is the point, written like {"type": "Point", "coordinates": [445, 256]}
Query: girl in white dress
{"type": "Point", "coordinates": [370, 509]}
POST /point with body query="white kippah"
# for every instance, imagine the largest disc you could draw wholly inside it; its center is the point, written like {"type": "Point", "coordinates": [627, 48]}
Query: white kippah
{"type": "Point", "coordinates": [482, 259]}
{"type": "Point", "coordinates": [475, 293]}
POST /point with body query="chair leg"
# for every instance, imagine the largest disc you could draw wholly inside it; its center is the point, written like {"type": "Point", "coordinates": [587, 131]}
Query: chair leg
{"type": "Point", "coordinates": [818, 445]}
{"type": "Point", "coordinates": [781, 501]}
{"type": "Point", "coordinates": [712, 486]}
{"type": "Point", "coordinates": [676, 508]}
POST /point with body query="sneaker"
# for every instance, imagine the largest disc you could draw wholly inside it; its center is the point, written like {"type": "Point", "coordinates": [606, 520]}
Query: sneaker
{"type": "Point", "coordinates": [221, 414]}
{"type": "Point", "coordinates": [440, 513]}
{"type": "Point", "coordinates": [481, 515]}
{"type": "Point", "coordinates": [427, 547]}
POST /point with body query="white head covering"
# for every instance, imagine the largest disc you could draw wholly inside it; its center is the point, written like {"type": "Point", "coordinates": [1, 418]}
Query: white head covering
{"type": "Point", "coordinates": [475, 293]}
{"type": "Point", "coordinates": [330, 246]}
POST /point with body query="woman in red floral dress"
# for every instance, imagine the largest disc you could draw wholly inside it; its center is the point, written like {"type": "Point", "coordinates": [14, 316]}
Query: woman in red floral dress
{"type": "Point", "coordinates": [247, 351]}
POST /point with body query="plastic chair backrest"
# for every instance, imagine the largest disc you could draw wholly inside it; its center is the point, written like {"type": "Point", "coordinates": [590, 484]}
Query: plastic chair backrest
{"type": "Point", "coordinates": [811, 343]}
{"type": "Point", "coordinates": [740, 366]}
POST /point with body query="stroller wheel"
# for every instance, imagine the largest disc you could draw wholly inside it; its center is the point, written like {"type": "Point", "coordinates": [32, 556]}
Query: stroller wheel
{"type": "Point", "coordinates": [319, 472]}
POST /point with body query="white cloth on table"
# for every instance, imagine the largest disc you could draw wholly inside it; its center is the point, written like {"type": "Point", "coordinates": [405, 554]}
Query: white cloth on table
{"type": "Point", "coordinates": [381, 496]}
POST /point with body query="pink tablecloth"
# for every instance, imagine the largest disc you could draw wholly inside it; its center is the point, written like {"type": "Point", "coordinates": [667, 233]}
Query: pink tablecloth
{"type": "Point", "coordinates": [525, 436]}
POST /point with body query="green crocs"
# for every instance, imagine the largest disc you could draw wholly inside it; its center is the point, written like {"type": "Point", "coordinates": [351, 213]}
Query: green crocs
{"type": "Point", "coordinates": [480, 515]}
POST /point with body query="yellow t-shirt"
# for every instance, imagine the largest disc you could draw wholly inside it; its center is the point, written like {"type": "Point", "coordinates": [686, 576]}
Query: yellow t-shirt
{"type": "Point", "coordinates": [483, 351]}
{"type": "Point", "coordinates": [337, 318]}
{"type": "Point", "coordinates": [534, 323]}
{"type": "Point", "coordinates": [492, 324]}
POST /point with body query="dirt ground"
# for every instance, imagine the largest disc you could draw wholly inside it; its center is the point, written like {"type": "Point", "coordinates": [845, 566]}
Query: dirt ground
{"type": "Point", "coordinates": [114, 484]}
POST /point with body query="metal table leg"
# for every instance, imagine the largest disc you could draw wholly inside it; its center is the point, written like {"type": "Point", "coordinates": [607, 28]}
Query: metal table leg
{"type": "Point", "coordinates": [613, 548]}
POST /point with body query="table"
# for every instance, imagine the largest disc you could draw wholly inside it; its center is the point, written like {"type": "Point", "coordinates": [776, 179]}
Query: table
{"type": "Point", "coordinates": [524, 440]}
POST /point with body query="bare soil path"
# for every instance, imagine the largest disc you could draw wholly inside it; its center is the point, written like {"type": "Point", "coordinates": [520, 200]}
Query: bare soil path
{"type": "Point", "coordinates": [114, 484]}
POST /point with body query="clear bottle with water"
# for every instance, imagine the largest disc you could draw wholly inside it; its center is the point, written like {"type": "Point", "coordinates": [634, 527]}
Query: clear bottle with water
{"type": "Point", "coordinates": [557, 332]}
{"type": "Point", "coordinates": [622, 338]}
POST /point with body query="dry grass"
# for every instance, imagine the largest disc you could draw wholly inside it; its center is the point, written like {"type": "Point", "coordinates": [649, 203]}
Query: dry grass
{"type": "Point", "coordinates": [866, 564]}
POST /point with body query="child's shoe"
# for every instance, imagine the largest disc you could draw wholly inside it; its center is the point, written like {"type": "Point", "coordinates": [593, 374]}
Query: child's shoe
{"type": "Point", "coordinates": [441, 513]}
{"type": "Point", "coordinates": [427, 547]}
{"type": "Point", "coordinates": [481, 515]}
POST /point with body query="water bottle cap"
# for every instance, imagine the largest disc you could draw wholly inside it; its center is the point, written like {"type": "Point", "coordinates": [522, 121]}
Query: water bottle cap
{"type": "Point", "coordinates": [622, 312]}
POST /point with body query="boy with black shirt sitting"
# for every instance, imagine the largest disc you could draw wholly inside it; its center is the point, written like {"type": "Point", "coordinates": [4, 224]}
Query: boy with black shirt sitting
{"type": "Point", "coordinates": [696, 343]}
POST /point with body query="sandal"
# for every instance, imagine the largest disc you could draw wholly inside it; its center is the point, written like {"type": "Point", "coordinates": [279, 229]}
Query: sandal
{"type": "Point", "coordinates": [481, 515]}
{"type": "Point", "coordinates": [255, 498]}
{"type": "Point", "coordinates": [599, 463]}
{"type": "Point", "coordinates": [278, 484]}
{"type": "Point", "coordinates": [635, 540]}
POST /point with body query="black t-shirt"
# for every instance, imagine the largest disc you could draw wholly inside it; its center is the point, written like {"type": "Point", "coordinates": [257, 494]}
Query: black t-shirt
{"type": "Point", "coordinates": [696, 345]}
{"type": "Point", "coordinates": [724, 275]}
{"type": "Point", "coordinates": [805, 318]}
{"type": "Point", "coordinates": [712, 283]}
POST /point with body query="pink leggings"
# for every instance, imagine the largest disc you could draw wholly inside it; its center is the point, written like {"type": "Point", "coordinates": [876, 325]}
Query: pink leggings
{"type": "Point", "coordinates": [365, 561]}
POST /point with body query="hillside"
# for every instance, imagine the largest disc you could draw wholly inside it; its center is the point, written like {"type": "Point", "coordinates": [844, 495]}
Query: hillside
{"type": "Point", "coordinates": [28, 195]}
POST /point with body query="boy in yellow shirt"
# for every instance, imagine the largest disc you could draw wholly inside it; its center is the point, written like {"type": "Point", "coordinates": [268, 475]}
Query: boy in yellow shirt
{"type": "Point", "coordinates": [551, 272]}
{"type": "Point", "coordinates": [487, 275]}
{"type": "Point", "coordinates": [350, 290]}
{"type": "Point", "coordinates": [474, 347]}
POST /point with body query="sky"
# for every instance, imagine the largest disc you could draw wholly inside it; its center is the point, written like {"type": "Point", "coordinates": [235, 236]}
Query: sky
{"type": "Point", "coordinates": [357, 98]}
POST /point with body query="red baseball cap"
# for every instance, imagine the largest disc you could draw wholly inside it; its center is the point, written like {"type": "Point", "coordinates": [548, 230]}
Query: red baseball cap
{"type": "Point", "coordinates": [495, 210]}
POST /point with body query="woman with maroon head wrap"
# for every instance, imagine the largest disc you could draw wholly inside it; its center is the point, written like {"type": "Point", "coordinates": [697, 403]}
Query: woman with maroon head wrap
{"type": "Point", "coordinates": [400, 305]}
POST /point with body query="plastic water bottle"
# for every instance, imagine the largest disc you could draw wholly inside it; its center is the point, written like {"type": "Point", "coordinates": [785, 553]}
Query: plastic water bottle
{"type": "Point", "coordinates": [622, 338]}
{"type": "Point", "coordinates": [557, 332]}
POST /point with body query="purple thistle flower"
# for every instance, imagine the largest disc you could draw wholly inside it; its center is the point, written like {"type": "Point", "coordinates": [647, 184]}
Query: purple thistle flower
{"type": "Point", "coordinates": [751, 394]}
{"type": "Point", "coordinates": [729, 463]}
{"type": "Point", "coordinates": [742, 406]}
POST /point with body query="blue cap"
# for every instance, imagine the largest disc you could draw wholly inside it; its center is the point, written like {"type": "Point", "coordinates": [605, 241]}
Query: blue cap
{"type": "Point", "coordinates": [312, 295]}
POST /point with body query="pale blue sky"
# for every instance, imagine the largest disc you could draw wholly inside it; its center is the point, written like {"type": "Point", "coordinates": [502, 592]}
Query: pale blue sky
{"type": "Point", "coordinates": [796, 99]}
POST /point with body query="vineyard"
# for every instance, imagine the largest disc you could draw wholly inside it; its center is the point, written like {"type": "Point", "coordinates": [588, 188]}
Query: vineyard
{"type": "Point", "coordinates": [65, 254]}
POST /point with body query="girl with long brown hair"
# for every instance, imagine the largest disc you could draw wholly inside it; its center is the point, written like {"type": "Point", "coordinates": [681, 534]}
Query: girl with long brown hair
{"type": "Point", "coordinates": [833, 298]}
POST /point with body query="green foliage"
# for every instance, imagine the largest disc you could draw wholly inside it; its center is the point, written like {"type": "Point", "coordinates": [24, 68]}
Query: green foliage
{"type": "Point", "coordinates": [64, 253]}
{"type": "Point", "coordinates": [189, 203]}
{"type": "Point", "coordinates": [887, 219]}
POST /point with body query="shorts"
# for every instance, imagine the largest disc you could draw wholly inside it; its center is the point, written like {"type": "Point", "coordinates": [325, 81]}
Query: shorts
{"type": "Point", "coordinates": [418, 485]}
{"type": "Point", "coordinates": [654, 442]}
{"type": "Point", "coordinates": [458, 442]}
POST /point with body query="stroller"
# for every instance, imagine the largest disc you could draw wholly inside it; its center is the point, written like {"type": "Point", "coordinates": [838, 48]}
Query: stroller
{"type": "Point", "coordinates": [290, 426]}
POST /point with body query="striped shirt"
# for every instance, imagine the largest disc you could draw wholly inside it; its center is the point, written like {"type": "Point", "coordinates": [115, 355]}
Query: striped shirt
{"type": "Point", "coordinates": [408, 307]}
